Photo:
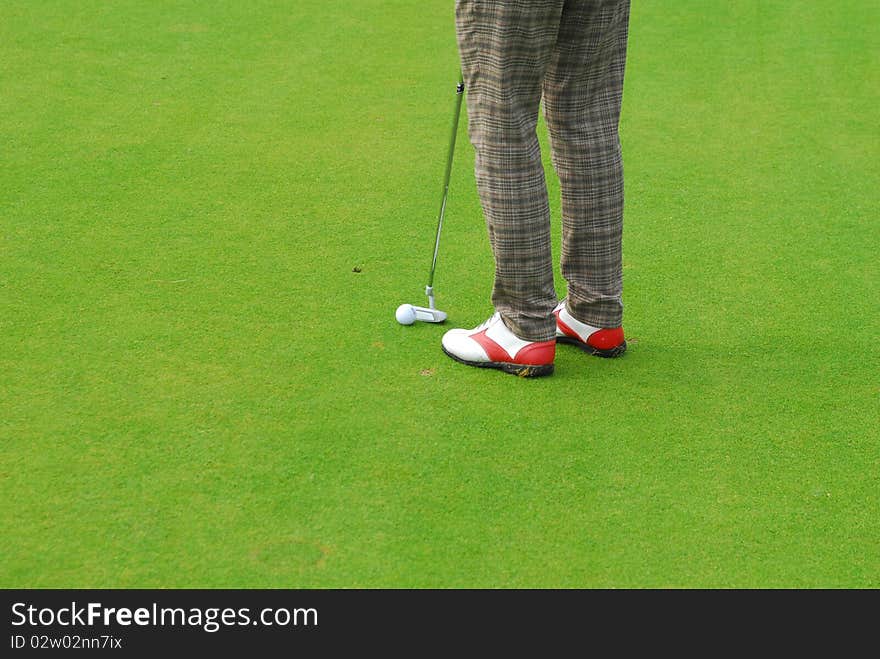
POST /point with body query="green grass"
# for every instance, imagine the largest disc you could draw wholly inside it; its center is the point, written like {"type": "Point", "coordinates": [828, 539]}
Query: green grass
{"type": "Point", "coordinates": [185, 189]}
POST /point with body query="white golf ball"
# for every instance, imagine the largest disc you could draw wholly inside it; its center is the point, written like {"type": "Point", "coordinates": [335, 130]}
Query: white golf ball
{"type": "Point", "coordinates": [405, 314]}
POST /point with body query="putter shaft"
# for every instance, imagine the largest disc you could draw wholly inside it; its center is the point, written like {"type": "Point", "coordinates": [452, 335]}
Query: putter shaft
{"type": "Point", "coordinates": [459, 94]}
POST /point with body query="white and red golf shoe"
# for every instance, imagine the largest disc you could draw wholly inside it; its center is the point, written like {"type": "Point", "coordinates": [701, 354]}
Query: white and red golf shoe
{"type": "Point", "coordinates": [492, 345]}
{"type": "Point", "coordinates": [602, 342]}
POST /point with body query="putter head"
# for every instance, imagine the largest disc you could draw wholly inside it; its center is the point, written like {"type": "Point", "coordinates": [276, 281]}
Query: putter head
{"type": "Point", "coordinates": [427, 315]}
{"type": "Point", "coordinates": [407, 314]}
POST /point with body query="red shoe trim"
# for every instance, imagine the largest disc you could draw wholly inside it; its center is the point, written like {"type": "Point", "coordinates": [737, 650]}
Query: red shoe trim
{"type": "Point", "coordinates": [606, 339]}
{"type": "Point", "coordinates": [566, 329]}
{"type": "Point", "coordinates": [539, 353]}
{"type": "Point", "coordinates": [494, 352]}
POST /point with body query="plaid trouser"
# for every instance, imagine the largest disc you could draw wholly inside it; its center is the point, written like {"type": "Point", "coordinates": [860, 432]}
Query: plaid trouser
{"type": "Point", "coordinates": [573, 52]}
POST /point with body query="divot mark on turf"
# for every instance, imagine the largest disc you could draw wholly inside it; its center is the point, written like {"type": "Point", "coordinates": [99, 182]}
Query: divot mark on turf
{"type": "Point", "coordinates": [283, 556]}
{"type": "Point", "coordinates": [189, 27]}
{"type": "Point", "coordinates": [427, 372]}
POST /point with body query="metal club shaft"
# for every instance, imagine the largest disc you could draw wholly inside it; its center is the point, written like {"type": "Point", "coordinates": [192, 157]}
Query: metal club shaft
{"type": "Point", "coordinates": [459, 94]}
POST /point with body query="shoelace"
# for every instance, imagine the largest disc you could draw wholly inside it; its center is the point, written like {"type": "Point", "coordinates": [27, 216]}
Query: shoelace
{"type": "Point", "coordinates": [485, 324]}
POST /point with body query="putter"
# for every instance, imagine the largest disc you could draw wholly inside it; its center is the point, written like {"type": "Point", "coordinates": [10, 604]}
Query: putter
{"type": "Point", "coordinates": [407, 314]}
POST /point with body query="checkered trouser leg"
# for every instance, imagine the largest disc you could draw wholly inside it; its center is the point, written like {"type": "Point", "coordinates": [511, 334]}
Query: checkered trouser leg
{"type": "Point", "coordinates": [573, 52]}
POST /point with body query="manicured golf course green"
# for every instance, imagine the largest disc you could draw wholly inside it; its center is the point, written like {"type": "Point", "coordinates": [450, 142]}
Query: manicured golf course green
{"type": "Point", "coordinates": [210, 211]}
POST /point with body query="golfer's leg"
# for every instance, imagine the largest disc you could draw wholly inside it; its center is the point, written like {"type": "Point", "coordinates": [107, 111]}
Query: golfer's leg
{"type": "Point", "coordinates": [582, 98]}
{"type": "Point", "coordinates": [505, 48]}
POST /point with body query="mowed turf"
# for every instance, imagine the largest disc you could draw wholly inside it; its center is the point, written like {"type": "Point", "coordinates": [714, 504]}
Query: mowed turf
{"type": "Point", "coordinates": [200, 390]}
